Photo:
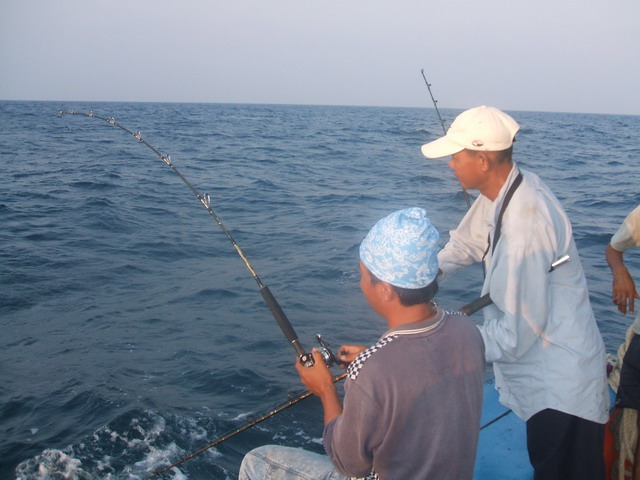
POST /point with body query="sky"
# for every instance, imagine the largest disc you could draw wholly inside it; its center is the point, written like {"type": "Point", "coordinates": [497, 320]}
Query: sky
{"type": "Point", "coordinates": [543, 55]}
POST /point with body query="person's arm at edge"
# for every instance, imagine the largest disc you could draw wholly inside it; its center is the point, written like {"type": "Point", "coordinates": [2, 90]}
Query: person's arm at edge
{"type": "Point", "coordinates": [623, 291]}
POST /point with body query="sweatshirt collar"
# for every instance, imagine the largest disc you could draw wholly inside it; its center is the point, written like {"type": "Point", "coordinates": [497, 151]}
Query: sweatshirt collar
{"type": "Point", "coordinates": [418, 327]}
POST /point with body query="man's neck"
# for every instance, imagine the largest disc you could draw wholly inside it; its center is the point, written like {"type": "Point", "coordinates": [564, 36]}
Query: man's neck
{"type": "Point", "coordinates": [496, 178]}
{"type": "Point", "coordinates": [413, 314]}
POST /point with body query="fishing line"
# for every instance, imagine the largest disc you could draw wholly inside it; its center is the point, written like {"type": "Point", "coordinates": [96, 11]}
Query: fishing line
{"type": "Point", "coordinates": [444, 129]}
{"type": "Point", "coordinates": [282, 320]}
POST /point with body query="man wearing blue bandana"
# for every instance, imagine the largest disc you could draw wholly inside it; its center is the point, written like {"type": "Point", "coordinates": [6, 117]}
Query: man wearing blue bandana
{"type": "Point", "coordinates": [412, 401]}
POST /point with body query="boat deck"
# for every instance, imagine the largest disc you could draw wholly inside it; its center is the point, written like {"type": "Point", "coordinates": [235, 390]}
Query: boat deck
{"type": "Point", "coordinates": [502, 449]}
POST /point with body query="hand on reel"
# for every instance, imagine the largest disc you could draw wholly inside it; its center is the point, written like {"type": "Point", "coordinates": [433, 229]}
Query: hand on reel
{"type": "Point", "coordinates": [329, 358]}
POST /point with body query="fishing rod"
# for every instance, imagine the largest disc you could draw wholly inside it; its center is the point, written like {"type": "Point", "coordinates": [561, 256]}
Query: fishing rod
{"type": "Point", "coordinates": [306, 359]}
{"type": "Point", "coordinates": [435, 103]}
{"type": "Point", "coordinates": [444, 129]}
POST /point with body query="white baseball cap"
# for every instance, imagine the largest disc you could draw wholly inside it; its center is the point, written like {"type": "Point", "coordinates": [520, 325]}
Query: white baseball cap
{"type": "Point", "coordinates": [481, 128]}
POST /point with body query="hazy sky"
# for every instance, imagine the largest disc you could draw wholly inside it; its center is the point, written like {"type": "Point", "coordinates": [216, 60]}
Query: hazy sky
{"type": "Point", "coordinates": [545, 55]}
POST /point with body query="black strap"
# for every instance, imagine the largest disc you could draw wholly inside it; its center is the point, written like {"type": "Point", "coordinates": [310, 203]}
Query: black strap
{"type": "Point", "coordinates": [496, 235]}
{"type": "Point", "coordinates": [507, 198]}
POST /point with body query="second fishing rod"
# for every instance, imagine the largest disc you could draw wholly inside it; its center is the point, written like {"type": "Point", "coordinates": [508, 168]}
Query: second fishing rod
{"type": "Point", "coordinates": [444, 129]}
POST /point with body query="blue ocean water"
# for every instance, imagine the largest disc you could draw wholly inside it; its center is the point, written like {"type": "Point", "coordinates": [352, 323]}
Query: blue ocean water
{"type": "Point", "coordinates": [132, 332]}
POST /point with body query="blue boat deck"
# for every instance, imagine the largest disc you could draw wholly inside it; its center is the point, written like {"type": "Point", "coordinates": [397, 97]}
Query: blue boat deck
{"type": "Point", "coordinates": [502, 449]}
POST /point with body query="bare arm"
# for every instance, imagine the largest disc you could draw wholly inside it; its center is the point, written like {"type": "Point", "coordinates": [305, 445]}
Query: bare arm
{"type": "Point", "coordinates": [623, 289]}
{"type": "Point", "coordinates": [319, 380]}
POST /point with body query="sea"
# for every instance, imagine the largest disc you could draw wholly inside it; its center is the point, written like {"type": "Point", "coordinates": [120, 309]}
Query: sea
{"type": "Point", "coordinates": [132, 332]}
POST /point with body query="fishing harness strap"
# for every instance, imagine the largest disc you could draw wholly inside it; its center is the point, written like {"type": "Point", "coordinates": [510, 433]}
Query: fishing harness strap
{"type": "Point", "coordinates": [496, 234]}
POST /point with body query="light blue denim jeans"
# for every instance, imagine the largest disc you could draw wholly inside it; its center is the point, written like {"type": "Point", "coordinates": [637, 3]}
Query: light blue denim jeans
{"type": "Point", "coordinates": [274, 462]}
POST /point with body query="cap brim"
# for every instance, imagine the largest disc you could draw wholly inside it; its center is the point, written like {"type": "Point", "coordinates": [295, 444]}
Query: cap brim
{"type": "Point", "coordinates": [442, 147]}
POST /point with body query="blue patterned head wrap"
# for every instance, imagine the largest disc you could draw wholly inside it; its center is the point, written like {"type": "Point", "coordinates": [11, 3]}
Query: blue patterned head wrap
{"type": "Point", "coordinates": [401, 249]}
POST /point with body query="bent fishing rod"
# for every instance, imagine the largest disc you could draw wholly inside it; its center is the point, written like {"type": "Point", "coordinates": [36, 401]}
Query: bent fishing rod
{"type": "Point", "coordinates": [444, 129]}
{"type": "Point", "coordinates": [306, 359]}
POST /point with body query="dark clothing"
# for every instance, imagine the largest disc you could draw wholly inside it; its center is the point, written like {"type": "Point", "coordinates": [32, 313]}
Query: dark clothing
{"type": "Point", "coordinates": [629, 388]}
{"type": "Point", "coordinates": [565, 447]}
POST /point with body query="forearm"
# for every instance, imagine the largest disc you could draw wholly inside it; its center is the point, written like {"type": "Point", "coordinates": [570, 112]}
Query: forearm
{"type": "Point", "coordinates": [623, 291]}
{"type": "Point", "coordinates": [319, 380]}
{"type": "Point", "coordinates": [614, 260]}
{"type": "Point", "coordinates": [331, 405]}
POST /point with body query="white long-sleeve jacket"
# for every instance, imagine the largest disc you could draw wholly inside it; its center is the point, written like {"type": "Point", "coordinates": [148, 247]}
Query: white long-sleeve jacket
{"type": "Point", "coordinates": [540, 332]}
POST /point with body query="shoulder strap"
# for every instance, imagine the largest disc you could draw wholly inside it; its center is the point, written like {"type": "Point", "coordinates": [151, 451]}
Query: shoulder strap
{"type": "Point", "coordinates": [507, 198]}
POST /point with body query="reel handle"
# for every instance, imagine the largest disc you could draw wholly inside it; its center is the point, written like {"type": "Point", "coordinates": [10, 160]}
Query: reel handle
{"type": "Point", "coordinates": [327, 355]}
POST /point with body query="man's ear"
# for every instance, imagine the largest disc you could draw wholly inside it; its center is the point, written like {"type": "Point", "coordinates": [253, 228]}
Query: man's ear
{"type": "Point", "coordinates": [484, 160]}
{"type": "Point", "coordinates": [386, 291]}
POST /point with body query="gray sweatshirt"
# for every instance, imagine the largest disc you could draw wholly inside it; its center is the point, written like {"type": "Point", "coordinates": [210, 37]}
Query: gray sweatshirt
{"type": "Point", "coordinates": [412, 404]}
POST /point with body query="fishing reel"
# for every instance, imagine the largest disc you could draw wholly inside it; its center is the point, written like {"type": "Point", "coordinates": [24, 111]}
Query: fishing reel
{"type": "Point", "coordinates": [329, 358]}
{"type": "Point", "coordinates": [327, 355]}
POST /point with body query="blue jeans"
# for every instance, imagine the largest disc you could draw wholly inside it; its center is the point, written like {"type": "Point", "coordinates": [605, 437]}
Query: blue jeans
{"type": "Point", "coordinates": [273, 462]}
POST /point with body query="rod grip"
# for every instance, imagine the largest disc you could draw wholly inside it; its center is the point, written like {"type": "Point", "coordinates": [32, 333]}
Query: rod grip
{"type": "Point", "coordinates": [477, 304]}
{"type": "Point", "coordinates": [282, 319]}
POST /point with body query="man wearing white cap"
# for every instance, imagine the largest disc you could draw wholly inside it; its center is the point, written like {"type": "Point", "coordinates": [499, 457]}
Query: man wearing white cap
{"type": "Point", "coordinates": [540, 332]}
{"type": "Point", "coordinates": [412, 401]}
